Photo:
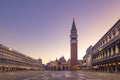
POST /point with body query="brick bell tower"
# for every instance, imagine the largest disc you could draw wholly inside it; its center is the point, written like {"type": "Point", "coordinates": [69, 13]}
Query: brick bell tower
{"type": "Point", "coordinates": [73, 45]}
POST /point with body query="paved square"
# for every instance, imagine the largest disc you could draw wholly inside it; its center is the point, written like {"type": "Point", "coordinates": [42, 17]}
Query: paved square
{"type": "Point", "coordinates": [58, 75]}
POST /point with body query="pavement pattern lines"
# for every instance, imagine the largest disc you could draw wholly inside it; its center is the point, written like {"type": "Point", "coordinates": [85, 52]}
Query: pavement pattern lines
{"type": "Point", "coordinates": [58, 75]}
{"type": "Point", "coordinates": [62, 75]}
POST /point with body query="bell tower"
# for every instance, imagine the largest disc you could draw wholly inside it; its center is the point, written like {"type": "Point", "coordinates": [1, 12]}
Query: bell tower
{"type": "Point", "coordinates": [73, 45]}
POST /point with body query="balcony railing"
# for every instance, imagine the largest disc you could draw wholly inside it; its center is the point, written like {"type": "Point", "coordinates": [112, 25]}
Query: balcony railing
{"type": "Point", "coordinates": [107, 58]}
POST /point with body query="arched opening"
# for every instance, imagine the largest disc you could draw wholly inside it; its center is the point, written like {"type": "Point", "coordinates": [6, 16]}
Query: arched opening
{"type": "Point", "coordinates": [66, 67]}
{"type": "Point", "coordinates": [109, 52]}
{"type": "Point", "coordinates": [54, 67]}
{"type": "Point", "coordinates": [113, 50]}
{"type": "Point", "coordinates": [63, 67]}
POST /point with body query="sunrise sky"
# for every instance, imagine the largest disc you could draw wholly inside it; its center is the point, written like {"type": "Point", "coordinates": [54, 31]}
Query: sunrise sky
{"type": "Point", "coordinates": [41, 28]}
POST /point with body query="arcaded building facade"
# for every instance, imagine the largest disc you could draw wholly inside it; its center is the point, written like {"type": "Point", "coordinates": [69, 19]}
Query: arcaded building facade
{"type": "Point", "coordinates": [87, 59]}
{"type": "Point", "coordinates": [12, 60]}
{"type": "Point", "coordinates": [106, 52]}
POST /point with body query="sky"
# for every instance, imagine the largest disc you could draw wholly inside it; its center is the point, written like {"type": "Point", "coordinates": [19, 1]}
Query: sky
{"type": "Point", "coordinates": [41, 28]}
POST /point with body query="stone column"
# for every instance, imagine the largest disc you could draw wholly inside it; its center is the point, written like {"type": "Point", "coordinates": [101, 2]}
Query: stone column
{"type": "Point", "coordinates": [50, 68]}
{"type": "Point", "coordinates": [111, 51]}
{"type": "Point", "coordinates": [5, 69]}
{"type": "Point", "coordinates": [61, 67]}
{"type": "Point", "coordinates": [111, 68]}
{"type": "Point", "coordinates": [116, 49]}
{"type": "Point", "coordinates": [107, 68]}
{"type": "Point", "coordinates": [108, 38]}
{"type": "Point", "coordinates": [112, 36]}
{"type": "Point", "coordinates": [2, 68]}
{"type": "Point", "coordinates": [56, 67]}
{"type": "Point", "coordinates": [99, 56]}
{"type": "Point", "coordinates": [104, 55]}
{"type": "Point", "coordinates": [108, 54]}
{"type": "Point", "coordinates": [116, 68]}
{"type": "Point", "coordinates": [102, 67]}
{"type": "Point", "coordinates": [65, 67]}
{"type": "Point", "coordinates": [117, 32]}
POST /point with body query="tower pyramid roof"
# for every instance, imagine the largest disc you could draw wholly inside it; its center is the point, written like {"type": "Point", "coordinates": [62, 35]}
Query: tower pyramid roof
{"type": "Point", "coordinates": [73, 25]}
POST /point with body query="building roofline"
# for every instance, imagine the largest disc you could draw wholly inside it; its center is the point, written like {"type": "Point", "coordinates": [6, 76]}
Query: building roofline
{"type": "Point", "coordinates": [107, 32]}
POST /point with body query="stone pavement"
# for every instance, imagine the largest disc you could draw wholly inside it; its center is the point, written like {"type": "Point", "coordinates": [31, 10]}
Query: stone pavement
{"type": "Point", "coordinates": [58, 75]}
{"type": "Point", "coordinates": [103, 75]}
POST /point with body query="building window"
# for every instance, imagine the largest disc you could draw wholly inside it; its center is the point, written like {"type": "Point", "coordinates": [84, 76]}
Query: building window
{"type": "Point", "coordinates": [103, 42]}
{"type": "Point", "coordinates": [109, 37]}
{"type": "Point", "coordinates": [119, 30]}
{"type": "Point", "coordinates": [106, 40]}
{"type": "Point", "coordinates": [114, 33]}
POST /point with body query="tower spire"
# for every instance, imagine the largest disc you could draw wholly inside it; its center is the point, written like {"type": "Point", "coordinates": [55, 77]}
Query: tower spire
{"type": "Point", "coordinates": [73, 25]}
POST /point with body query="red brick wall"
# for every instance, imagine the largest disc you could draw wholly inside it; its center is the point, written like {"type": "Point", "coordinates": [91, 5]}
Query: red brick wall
{"type": "Point", "coordinates": [73, 54]}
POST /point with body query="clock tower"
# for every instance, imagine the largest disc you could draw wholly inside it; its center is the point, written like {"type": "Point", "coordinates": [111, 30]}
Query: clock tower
{"type": "Point", "coordinates": [73, 45]}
